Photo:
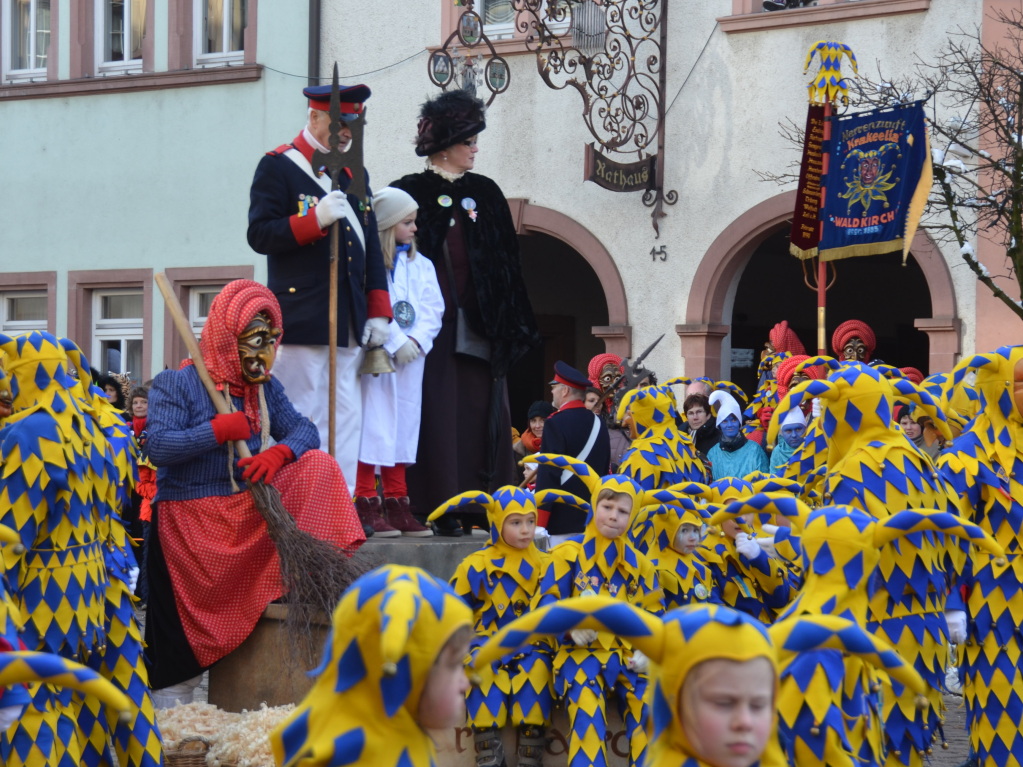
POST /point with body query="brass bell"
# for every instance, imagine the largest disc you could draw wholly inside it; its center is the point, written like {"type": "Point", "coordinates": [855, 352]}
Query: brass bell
{"type": "Point", "coordinates": [376, 361]}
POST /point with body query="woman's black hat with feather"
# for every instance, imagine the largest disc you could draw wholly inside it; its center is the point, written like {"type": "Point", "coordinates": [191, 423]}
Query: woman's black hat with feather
{"type": "Point", "coordinates": [451, 117]}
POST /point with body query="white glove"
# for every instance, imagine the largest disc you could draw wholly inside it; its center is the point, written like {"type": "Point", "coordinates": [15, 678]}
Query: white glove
{"type": "Point", "coordinates": [748, 546]}
{"type": "Point", "coordinates": [9, 715]}
{"type": "Point", "coordinates": [408, 352]}
{"type": "Point", "coordinates": [639, 662]}
{"type": "Point", "coordinates": [815, 407]}
{"type": "Point", "coordinates": [376, 332]}
{"type": "Point", "coordinates": [332, 208]}
{"type": "Point", "coordinates": [133, 579]}
{"type": "Point", "coordinates": [956, 620]}
{"type": "Point", "coordinates": [583, 636]}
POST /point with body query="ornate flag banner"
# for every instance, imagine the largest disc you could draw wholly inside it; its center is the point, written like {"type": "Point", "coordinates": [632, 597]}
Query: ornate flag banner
{"type": "Point", "coordinates": [806, 230]}
{"type": "Point", "coordinates": [878, 177]}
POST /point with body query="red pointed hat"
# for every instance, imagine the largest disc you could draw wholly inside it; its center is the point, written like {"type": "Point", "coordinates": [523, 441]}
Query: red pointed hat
{"type": "Point", "coordinates": [853, 329]}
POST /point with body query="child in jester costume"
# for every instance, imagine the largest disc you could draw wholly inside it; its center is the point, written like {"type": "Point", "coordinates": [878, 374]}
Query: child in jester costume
{"type": "Point", "coordinates": [660, 455]}
{"type": "Point", "coordinates": [713, 671]}
{"type": "Point", "coordinates": [61, 478]}
{"type": "Point", "coordinates": [590, 667]}
{"type": "Point", "coordinates": [829, 707]}
{"type": "Point", "coordinates": [871, 465]}
{"type": "Point", "coordinates": [684, 575]}
{"type": "Point", "coordinates": [392, 668]}
{"type": "Point", "coordinates": [121, 659]}
{"type": "Point", "coordinates": [985, 466]}
{"type": "Point", "coordinates": [499, 582]}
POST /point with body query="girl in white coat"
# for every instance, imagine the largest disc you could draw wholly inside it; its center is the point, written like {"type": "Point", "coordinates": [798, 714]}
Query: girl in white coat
{"type": "Point", "coordinates": [392, 403]}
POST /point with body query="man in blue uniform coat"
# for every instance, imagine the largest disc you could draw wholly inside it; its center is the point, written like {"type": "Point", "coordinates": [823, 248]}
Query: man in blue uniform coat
{"type": "Point", "coordinates": [291, 211]}
{"type": "Point", "coordinates": [576, 431]}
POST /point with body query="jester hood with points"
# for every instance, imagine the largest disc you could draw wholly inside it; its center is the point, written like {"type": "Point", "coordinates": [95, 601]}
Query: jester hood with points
{"type": "Point", "coordinates": [388, 630]}
{"type": "Point", "coordinates": [523, 565]}
{"type": "Point", "coordinates": [60, 485]}
{"type": "Point", "coordinates": [660, 455]}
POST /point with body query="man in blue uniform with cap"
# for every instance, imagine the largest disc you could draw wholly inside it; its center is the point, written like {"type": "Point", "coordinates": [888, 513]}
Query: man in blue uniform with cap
{"type": "Point", "coordinates": [291, 211]}
{"type": "Point", "coordinates": [576, 431]}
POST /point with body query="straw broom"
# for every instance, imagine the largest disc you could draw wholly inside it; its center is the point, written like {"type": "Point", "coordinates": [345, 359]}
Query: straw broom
{"type": "Point", "coordinates": [314, 572]}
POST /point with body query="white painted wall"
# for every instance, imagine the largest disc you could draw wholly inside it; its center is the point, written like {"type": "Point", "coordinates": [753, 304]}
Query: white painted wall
{"type": "Point", "coordinates": [723, 125]}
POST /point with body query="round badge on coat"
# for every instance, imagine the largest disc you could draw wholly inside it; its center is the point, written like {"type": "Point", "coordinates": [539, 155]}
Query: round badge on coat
{"type": "Point", "coordinates": [700, 591]}
{"type": "Point", "coordinates": [444, 201]}
{"type": "Point", "coordinates": [404, 314]}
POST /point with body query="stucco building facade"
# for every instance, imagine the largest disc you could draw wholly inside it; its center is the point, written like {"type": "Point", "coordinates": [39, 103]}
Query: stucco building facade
{"type": "Point", "coordinates": [111, 176]}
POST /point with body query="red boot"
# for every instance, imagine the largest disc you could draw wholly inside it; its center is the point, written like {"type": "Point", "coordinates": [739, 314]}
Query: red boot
{"type": "Point", "coordinates": [370, 515]}
{"type": "Point", "coordinates": [400, 518]}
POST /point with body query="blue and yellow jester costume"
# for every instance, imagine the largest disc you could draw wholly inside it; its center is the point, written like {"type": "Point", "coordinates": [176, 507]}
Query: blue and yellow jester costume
{"type": "Point", "coordinates": [660, 455]}
{"type": "Point", "coordinates": [499, 582]}
{"type": "Point", "coordinates": [683, 639]}
{"type": "Point", "coordinates": [388, 630]}
{"type": "Point", "coordinates": [60, 483]}
{"type": "Point", "coordinates": [137, 742]}
{"type": "Point", "coordinates": [761, 587]}
{"type": "Point", "coordinates": [829, 709]}
{"type": "Point", "coordinates": [685, 578]}
{"type": "Point", "coordinates": [872, 466]}
{"type": "Point", "coordinates": [985, 466]}
{"type": "Point", "coordinates": [587, 676]}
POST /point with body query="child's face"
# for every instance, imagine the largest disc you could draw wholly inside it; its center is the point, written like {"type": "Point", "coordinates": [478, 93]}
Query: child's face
{"type": "Point", "coordinates": [442, 703]}
{"type": "Point", "coordinates": [405, 230]}
{"type": "Point", "coordinates": [139, 407]}
{"type": "Point", "coordinates": [518, 530]}
{"type": "Point", "coordinates": [687, 538]}
{"type": "Point", "coordinates": [731, 527]}
{"type": "Point", "coordinates": [611, 516]}
{"type": "Point", "coordinates": [727, 710]}
{"type": "Point", "coordinates": [593, 402]}
{"type": "Point", "coordinates": [111, 392]}
{"type": "Point", "coordinates": [536, 426]}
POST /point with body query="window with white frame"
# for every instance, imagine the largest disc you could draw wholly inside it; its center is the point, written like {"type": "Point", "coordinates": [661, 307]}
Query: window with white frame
{"type": "Point", "coordinates": [120, 26]}
{"type": "Point", "coordinates": [22, 311]}
{"type": "Point", "coordinates": [26, 24]}
{"type": "Point", "coordinates": [200, 298]}
{"type": "Point", "coordinates": [117, 331]}
{"type": "Point", "coordinates": [220, 31]}
{"type": "Point", "coordinates": [498, 17]}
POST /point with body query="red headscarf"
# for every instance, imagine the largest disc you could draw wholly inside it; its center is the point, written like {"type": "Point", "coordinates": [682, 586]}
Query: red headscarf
{"type": "Point", "coordinates": [787, 369]}
{"type": "Point", "coordinates": [913, 375]}
{"type": "Point", "coordinates": [850, 329]}
{"type": "Point", "coordinates": [232, 310]}
{"type": "Point", "coordinates": [784, 339]}
{"type": "Point", "coordinates": [597, 364]}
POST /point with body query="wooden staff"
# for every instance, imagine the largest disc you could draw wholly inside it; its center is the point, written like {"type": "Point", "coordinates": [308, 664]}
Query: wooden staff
{"type": "Point", "coordinates": [335, 161]}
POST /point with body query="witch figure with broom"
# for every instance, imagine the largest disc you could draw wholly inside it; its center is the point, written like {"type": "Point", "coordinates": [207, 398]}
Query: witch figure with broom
{"type": "Point", "coordinates": [220, 553]}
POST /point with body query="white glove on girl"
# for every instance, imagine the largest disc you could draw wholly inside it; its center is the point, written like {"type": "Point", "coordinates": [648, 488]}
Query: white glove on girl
{"type": "Point", "coordinates": [747, 546]}
{"type": "Point", "coordinates": [639, 662]}
{"type": "Point", "coordinates": [408, 352]}
{"type": "Point", "coordinates": [583, 637]}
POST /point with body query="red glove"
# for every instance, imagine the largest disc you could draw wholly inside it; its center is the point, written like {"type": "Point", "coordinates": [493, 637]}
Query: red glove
{"type": "Point", "coordinates": [264, 466]}
{"type": "Point", "coordinates": [230, 427]}
{"type": "Point", "coordinates": [765, 416]}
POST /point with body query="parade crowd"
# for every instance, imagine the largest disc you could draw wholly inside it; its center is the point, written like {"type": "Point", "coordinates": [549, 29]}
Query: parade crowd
{"type": "Point", "coordinates": [779, 579]}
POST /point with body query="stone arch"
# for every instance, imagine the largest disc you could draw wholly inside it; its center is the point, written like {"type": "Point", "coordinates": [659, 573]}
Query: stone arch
{"type": "Point", "coordinates": [617, 334]}
{"type": "Point", "coordinates": [713, 287]}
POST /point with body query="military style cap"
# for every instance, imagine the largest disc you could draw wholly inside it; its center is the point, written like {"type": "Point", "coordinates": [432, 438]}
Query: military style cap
{"type": "Point", "coordinates": [568, 375]}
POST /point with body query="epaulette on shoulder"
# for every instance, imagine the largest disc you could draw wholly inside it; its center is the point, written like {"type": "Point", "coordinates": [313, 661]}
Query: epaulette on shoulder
{"type": "Point", "coordinates": [279, 150]}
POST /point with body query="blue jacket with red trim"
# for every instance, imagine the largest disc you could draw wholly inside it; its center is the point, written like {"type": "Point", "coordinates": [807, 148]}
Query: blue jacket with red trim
{"type": "Point", "coordinates": [283, 226]}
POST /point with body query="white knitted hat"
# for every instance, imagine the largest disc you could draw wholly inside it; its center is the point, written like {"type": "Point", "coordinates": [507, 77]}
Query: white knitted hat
{"type": "Point", "coordinates": [392, 205]}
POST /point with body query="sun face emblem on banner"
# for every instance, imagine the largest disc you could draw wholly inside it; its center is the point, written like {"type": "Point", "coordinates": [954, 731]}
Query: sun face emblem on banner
{"type": "Point", "coordinates": [868, 182]}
